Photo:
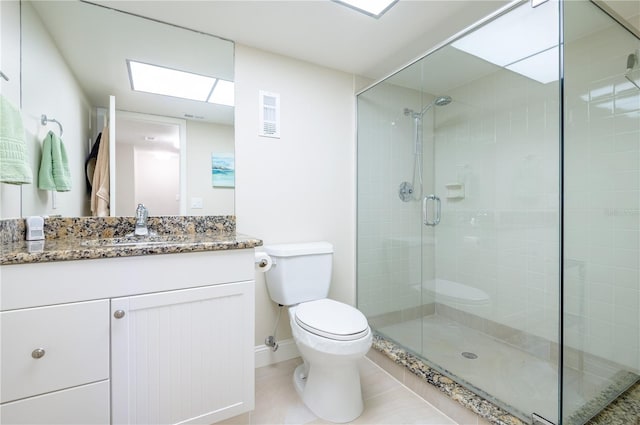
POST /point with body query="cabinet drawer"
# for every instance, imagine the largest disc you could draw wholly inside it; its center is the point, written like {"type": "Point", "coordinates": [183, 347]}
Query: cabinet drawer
{"type": "Point", "coordinates": [75, 343]}
{"type": "Point", "coordinates": [88, 404]}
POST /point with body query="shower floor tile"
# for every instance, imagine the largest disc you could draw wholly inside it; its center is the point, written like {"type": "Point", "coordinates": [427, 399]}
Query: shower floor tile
{"type": "Point", "coordinates": [513, 377]}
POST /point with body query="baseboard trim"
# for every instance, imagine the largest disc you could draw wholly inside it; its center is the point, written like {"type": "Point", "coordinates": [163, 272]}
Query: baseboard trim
{"type": "Point", "coordinates": [286, 350]}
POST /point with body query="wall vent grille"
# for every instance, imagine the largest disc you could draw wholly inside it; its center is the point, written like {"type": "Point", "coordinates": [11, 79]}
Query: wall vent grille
{"type": "Point", "coordinates": [269, 114]}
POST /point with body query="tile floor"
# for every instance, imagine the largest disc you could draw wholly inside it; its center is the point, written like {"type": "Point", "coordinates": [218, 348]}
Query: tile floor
{"type": "Point", "coordinates": [386, 401]}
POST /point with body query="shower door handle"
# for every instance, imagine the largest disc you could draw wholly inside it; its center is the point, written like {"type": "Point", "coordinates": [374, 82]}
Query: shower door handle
{"type": "Point", "coordinates": [425, 210]}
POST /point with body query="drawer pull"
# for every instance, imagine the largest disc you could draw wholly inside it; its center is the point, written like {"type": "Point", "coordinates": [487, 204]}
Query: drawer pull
{"type": "Point", "coordinates": [118, 314]}
{"type": "Point", "coordinates": [38, 353]}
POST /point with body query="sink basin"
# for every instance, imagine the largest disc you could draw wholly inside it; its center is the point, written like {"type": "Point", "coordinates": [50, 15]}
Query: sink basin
{"type": "Point", "coordinates": [131, 241]}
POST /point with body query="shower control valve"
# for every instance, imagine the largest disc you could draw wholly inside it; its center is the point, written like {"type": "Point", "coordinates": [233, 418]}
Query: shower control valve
{"type": "Point", "coordinates": [405, 191]}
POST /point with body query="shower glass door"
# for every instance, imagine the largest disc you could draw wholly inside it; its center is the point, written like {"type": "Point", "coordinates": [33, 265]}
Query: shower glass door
{"type": "Point", "coordinates": [391, 182]}
{"type": "Point", "coordinates": [475, 290]}
{"type": "Point", "coordinates": [601, 315]}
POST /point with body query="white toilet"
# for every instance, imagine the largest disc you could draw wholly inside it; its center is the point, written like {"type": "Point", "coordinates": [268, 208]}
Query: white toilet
{"type": "Point", "coordinates": [331, 336]}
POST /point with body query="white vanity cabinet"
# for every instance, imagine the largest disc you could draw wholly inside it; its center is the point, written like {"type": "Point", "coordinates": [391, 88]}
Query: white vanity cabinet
{"type": "Point", "coordinates": [128, 340]}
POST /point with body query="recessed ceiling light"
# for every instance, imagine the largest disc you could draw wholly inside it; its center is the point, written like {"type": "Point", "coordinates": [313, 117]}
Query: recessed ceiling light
{"type": "Point", "coordinates": [375, 8]}
{"type": "Point", "coordinates": [169, 82]}
{"type": "Point", "coordinates": [172, 82]}
{"type": "Point", "coordinates": [223, 93]}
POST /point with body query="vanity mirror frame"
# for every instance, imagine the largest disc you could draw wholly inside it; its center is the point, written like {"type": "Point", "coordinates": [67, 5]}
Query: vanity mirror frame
{"type": "Point", "coordinates": [82, 115]}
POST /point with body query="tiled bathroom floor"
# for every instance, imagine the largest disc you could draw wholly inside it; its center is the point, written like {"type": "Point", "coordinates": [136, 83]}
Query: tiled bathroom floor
{"type": "Point", "coordinates": [386, 401]}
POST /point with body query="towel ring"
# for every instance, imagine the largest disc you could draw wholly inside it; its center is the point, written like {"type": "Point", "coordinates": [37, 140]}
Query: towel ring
{"type": "Point", "coordinates": [44, 121]}
{"type": "Point", "coordinates": [4, 76]}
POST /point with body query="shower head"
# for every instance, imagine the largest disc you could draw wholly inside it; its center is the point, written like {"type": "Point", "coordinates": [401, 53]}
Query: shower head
{"type": "Point", "coordinates": [438, 101]}
{"type": "Point", "coordinates": [632, 59]}
{"type": "Point", "coordinates": [442, 100]}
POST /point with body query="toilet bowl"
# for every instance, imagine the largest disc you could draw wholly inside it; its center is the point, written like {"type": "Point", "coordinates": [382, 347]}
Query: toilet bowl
{"type": "Point", "coordinates": [328, 382]}
{"type": "Point", "coordinates": [331, 336]}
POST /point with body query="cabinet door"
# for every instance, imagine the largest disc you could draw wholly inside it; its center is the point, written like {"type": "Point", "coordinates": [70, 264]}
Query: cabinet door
{"type": "Point", "coordinates": [183, 356]}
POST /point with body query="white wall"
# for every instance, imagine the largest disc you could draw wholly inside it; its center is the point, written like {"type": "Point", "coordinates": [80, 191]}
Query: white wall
{"type": "Point", "coordinates": [300, 187]}
{"type": "Point", "coordinates": [203, 139]}
{"type": "Point", "coordinates": [156, 180]}
{"type": "Point", "coordinates": [49, 87]}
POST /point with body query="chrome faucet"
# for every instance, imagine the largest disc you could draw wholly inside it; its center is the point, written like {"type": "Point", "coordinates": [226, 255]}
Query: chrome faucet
{"type": "Point", "coordinates": [142, 214]}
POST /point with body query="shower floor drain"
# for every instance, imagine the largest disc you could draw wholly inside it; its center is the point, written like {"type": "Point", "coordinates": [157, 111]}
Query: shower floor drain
{"type": "Point", "coordinates": [468, 355]}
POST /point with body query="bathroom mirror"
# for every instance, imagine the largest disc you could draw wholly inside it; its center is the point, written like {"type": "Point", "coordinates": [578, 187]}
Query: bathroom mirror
{"type": "Point", "coordinates": [75, 55]}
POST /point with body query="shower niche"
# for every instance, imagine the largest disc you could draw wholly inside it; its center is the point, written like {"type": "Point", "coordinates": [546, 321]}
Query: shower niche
{"type": "Point", "coordinates": [528, 155]}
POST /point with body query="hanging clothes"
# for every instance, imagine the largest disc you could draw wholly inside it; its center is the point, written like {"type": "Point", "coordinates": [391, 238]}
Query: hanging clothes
{"type": "Point", "coordinates": [100, 183]}
{"type": "Point", "coordinates": [90, 163]}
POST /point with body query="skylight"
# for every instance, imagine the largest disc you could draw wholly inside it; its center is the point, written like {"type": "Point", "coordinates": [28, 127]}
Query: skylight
{"type": "Point", "coordinates": [524, 40]}
{"type": "Point", "coordinates": [186, 85]}
{"type": "Point", "coordinates": [375, 8]}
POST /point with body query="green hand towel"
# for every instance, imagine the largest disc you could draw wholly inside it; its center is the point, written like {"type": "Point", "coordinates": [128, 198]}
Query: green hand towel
{"type": "Point", "coordinates": [14, 164]}
{"type": "Point", "coordinates": [54, 167]}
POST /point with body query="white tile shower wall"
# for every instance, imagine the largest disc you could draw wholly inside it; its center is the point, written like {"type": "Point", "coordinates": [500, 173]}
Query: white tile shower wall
{"type": "Point", "coordinates": [390, 242]}
{"type": "Point", "coordinates": [503, 237]}
{"type": "Point", "coordinates": [602, 171]}
{"type": "Point", "coordinates": [500, 140]}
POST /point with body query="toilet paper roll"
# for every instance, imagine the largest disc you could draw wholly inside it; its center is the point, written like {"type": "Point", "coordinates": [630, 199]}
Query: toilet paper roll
{"type": "Point", "coordinates": [263, 261]}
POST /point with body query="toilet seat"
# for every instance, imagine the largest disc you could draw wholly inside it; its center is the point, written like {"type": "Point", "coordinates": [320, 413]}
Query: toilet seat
{"type": "Point", "coordinates": [331, 319]}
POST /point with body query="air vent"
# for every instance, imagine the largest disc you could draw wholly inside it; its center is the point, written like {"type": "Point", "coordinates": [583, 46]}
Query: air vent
{"type": "Point", "coordinates": [269, 114]}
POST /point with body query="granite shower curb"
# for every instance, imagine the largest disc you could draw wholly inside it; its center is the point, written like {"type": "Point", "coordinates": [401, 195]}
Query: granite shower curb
{"type": "Point", "coordinates": [624, 410]}
{"type": "Point", "coordinates": [453, 390]}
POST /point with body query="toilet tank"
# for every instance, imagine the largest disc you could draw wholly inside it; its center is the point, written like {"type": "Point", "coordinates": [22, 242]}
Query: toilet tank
{"type": "Point", "coordinates": [300, 272]}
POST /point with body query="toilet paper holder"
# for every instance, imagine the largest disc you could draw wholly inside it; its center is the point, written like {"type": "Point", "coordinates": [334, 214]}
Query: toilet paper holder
{"type": "Point", "coordinates": [263, 261]}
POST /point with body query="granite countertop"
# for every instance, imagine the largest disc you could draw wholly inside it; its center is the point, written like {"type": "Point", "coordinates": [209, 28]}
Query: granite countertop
{"type": "Point", "coordinates": [82, 249]}
{"type": "Point", "coordinates": [90, 238]}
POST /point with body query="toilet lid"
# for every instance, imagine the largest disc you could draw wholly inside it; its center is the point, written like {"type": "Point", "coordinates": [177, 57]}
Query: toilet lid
{"type": "Point", "coordinates": [332, 319]}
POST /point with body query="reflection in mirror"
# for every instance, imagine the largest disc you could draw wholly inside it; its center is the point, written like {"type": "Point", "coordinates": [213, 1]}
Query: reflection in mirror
{"type": "Point", "coordinates": [74, 56]}
{"type": "Point", "coordinates": [148, 155]}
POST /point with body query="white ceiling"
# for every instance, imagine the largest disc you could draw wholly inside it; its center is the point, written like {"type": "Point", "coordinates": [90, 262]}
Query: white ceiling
{"type": "Point", "coordinates": [322, 31]}
{"type": "Point", "coordinates": [319, 31]}
{"type": "Point", "coordinates": [329, 34]}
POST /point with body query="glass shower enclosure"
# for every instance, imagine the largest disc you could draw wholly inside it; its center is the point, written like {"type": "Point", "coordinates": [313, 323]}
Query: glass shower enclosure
{"type": "Point", "coordinates": [498, 214]}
